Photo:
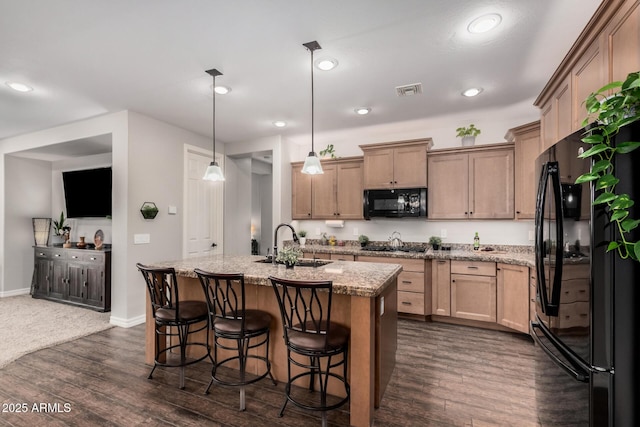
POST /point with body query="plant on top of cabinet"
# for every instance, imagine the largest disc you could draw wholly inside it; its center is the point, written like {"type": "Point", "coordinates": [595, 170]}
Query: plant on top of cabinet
{"type": "Point", "coordinates": [328, 152]}
{"type": "Point", "coordinates": [468, 134]}
{"type": "Point", "coordinates": [613, 113]}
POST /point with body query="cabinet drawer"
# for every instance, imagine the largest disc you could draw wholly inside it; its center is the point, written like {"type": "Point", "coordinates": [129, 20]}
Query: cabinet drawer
{"type": "Point", "coordinates": [318, 255]}
{"type": "Point", "coordinates": [96, 257]}
{"type": "Point", "coordinates": [43, 253]}
{"type": "Point", "coordinates": [411, 281]}
{"type": "Point", "coordinates": [478, 268]}
{"type": "Point", "coordinates": [411, 302]}
{"type": "Point", "coordinates": [343, 257]}
{"type": "Point", "coordinates": [574, 290]}
{"type": "Point", "coordinates": [416, 265]}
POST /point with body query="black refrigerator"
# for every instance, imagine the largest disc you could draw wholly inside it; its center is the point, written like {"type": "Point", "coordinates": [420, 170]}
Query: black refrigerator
{"type": "Point", "coordinates": [588, 300]}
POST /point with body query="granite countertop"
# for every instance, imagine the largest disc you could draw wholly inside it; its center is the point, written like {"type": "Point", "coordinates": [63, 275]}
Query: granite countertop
{"type": "Point", "coordinates": [350, 278]}
{"type": "Point", "coordinates": [516, 255]}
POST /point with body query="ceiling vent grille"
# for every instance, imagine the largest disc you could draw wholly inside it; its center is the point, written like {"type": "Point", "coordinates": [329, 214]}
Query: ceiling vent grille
{"type": "Point", "coordinates": [408, 90]}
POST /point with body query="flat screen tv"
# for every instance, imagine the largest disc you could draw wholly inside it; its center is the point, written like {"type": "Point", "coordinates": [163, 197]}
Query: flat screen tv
{"type": "Point", "coordinates": [87, 193]}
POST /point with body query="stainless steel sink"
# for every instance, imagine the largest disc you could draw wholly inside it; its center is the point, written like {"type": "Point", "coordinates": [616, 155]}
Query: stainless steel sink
{"type": "Point", "coordinates": [302, 262]}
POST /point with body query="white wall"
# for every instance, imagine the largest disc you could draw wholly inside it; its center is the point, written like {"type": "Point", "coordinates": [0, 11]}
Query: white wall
{"type": "Point", "coordinates": [29, 190]}
{"type": "Point", "coordinates": [237, 206]}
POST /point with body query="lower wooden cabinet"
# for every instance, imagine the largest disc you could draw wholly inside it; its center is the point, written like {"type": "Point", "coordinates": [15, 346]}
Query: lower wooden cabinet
{"type": "Point", "coordinates": [75, 276]}
{"type": "Point", "coordinates": [414, 293]}
{"type": "Point", "coordinates": [441, 287]}
{"type": "Point", "coordinates": [513, 296]}
{"type": "Point", "coordinates": [473, 290]}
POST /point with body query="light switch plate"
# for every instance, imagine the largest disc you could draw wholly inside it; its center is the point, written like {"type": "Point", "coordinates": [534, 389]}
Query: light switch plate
{"type": "Point", "coordinates": [141, 239]}
{"type": "Point", "coordinates": [173, 210]}
{"type": "Point", "coordinates": [443, 233]}
{"type": "Point", "coordinates": [531, 237]}
{"type": "Point", "coordinates": [355, 231]}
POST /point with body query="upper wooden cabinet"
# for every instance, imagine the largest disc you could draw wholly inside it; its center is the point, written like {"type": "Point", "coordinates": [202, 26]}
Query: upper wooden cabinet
{"type": "Point", "coordinates": [300, 193]}
{"type": "Point", "coordinates": [527, 148]}
{"type": "Point", "coordinates": [335, 194]}
{"type": "Point", "coordinates": [471, 183]}
{"type": "Point", "coordinates": [396, 165]}
{"type": "Point", "coordinates": [607, 50]}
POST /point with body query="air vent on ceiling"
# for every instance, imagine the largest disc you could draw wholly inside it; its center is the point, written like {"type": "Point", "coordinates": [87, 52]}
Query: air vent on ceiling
{"type": "Point", "coordinates": [407, 90]}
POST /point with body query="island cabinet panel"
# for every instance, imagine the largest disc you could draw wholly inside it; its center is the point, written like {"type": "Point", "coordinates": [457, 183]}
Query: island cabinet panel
{"type": "Point", "coordinates": [77, 276]}
{"type": "Point", "coordinates": [400, 164]}
{"type": "Point", "coordinates": [527, 148]}
{"type": "Point", "coordinates": [414, 293]}
{"type": "Point", "coordinates": [316, 255]}
{"type": "Point", "coordinates": [473, 290]}
{"type": "Point", "coordinates": [335, 194]}
{"type": "Point", "coordinates": [472, 183]}
{"type": "Point", "coordinates": [441, 287]}
{"type": "Point", "coordinates": [342, 257]}
{"type": "Point", "coordinates": [513, 296]}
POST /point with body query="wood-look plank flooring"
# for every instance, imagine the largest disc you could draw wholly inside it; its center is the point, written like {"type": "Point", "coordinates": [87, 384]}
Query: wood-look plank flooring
{"type": "Point", "coordinates": [446, 375]}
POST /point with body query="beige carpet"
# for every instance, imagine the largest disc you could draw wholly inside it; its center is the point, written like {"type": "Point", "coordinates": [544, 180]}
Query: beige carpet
{"type": "Point", "coordinates": [28, 324]}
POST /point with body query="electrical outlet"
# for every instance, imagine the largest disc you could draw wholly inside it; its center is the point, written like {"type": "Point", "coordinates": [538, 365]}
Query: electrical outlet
{"type": "Point", "coordinates": [317, 231]}
{"type": "Point", "coordinates": [531, 238]}
{"type": "Point", "coordinates": [443, 233]}
{"type": "Point", "coordinates": [355, 231]}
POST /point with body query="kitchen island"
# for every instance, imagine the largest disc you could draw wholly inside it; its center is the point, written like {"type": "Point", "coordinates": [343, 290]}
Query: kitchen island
{"type": "Point", "coordinates": [364, 299]}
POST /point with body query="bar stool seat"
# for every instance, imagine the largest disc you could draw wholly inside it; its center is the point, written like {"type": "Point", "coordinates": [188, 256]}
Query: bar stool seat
{"type": "Point", "coordinates": [235, 329]}
{"type": "Point", "coordinates": [174, 319]}
{"type": "Point", "coordinates": [309, 333]}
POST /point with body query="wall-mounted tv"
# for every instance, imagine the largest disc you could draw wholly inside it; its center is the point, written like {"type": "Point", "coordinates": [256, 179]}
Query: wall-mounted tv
{"type": "Point", "coordinates": [87, 193]}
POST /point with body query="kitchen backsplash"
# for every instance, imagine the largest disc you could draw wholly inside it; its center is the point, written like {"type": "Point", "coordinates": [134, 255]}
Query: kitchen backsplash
{"type": "Point", "coordinates": [494, 232]}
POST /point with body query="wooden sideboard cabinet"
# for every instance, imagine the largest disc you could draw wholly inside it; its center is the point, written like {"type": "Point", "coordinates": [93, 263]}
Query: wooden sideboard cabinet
{"type": "Point", "coordinates": [74, 276]}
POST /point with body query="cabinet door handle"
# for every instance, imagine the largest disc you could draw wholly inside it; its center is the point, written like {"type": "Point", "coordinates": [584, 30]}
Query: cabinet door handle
{"type": "Point", "coordinates": [442, 262]}
{"type": "Point", "coordinates": [470, 213]}
{"type": "Point", "coordinates": [74, 256]}
{"type": "Point", "coordinates": [471, 267]}
{"type": "Point", "coordinates": [93, 258]}
{"type": "Point", "coordinates": [41, 254]}
{"type": "Point", "coordinates": [407, 281]}
{"type": "Point", "coordinates": [57, 255]}
{"type": "Point", "coordinates": [453, 280]}
{"type": "Point", "coordinates": [406, 303]}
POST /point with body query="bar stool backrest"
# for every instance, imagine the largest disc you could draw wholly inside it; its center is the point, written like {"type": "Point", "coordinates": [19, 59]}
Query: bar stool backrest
{"type": "Point", "coordinates": [225, 294]}
{"type": "Point", "coordinates": [162, 285]}
{"type": "Point", "coordinates": [301, 306]}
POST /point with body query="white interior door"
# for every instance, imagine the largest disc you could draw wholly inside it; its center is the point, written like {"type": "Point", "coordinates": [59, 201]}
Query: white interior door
{"type": "Point", "coordinates": [203, 206]}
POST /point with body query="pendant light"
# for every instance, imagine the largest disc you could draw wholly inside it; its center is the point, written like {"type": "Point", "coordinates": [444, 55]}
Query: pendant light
{"type": "Point", "coordinates": [214, 173]}
{"type": "Point", "coordinates": [312, 164]}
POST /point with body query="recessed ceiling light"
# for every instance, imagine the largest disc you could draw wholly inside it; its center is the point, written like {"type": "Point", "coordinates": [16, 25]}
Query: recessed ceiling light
{"type": "Point", "coordinates": [222, 90]}
{"type": "Point", "coordinates": [279, 124]}
{"type": "Point", "coordinates": [362, 111]}
{"type": "Point", "coordinates": [484, 23]}
{"type": "Point", "coordinates": [20, 87]}
{"type": "Point", "coordinates": [472, 91]}
{"type": "Point", "coordinates": [326, 64]}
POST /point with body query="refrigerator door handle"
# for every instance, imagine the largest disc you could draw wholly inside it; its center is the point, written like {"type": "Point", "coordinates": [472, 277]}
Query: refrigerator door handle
{"type": "Point", "coordinates": [549, 171]}
{"type": "Point", "coordinates": [579, 373]}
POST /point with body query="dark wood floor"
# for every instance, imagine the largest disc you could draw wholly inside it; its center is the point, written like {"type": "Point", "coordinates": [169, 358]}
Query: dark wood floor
{"type": "Point", "coordinates": [446, 375]}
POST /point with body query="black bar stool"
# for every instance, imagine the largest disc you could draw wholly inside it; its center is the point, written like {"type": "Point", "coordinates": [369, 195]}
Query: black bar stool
{"type": "Point", "coordinates": [232, 322]}
{"type": "Point", "coordinates": [308, 332]}
{"type": "Point", "coordinates": [169, 312]}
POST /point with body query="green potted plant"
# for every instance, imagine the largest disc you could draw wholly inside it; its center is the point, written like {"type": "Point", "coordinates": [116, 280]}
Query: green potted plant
{"type": "Point", "coordinates": [435, 242]}
{"type": "Point", "coordinates": [468, 134]}
{"type": "Point", "coordinates": [289, 256]}
{"type": "Point", "coordinates": [302, 234]}
{"type": "Point", "coordinates": [363, 240]}
{"type": "Point", "coordinates": [612, 112]}
{"type": "Point", "coordinates": [328, 152]}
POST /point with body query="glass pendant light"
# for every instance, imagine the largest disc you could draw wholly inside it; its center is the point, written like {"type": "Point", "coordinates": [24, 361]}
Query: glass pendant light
{"type": "Point", "coordinates": [312, 164]}
{"type": "Point", "coordinates": [213, 172]}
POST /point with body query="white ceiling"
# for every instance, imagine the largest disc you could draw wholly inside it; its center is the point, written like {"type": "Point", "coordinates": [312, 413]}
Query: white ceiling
{"type": "Point", "coordinates": [89, 57]}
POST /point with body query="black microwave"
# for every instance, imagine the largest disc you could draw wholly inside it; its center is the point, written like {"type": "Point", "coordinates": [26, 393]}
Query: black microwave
{"type": "Point", "coordinates": [397, 203]}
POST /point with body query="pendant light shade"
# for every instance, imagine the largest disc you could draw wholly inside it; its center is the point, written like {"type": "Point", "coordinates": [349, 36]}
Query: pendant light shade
{"type": "Point", "coordinates": [214, 172]}
{"type": "Point", "coordinates": [312, 164]}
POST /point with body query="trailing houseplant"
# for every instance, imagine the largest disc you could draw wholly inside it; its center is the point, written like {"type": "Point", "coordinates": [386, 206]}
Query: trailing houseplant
{"type": "Point", "coordinates": [613, 112]}
{"type": "Point", "coordinates": [328, 152]}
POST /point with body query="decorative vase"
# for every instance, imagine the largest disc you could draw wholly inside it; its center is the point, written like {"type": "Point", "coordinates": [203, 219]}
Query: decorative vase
{"type": "Point", "coordinates": [67, 239]}
{"type": "Point", "coordinates": [468, 141]}
{"type": "Point", "coordinates": [303, 241]}
{"type": "Point", "coordinates": [81, 244]}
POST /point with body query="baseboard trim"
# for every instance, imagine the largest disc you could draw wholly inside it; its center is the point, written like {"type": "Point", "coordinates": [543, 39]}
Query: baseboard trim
{"type": "Point", "coordinates": [23, 291]}
{"type": "Point", "coordinates": [128, 323]}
